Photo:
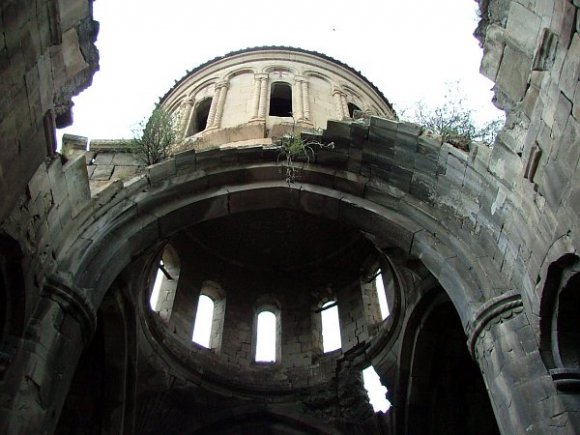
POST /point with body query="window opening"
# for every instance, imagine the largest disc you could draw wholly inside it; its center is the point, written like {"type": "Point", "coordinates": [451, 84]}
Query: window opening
{"type": "Point", "coordinates": [382, 295]}
{"type": "Point", "coordinates": [375, 390]}
{"type": "Point", "coordinates": [330, 327]}
{"type": "Point", "coordinates": [281, 99]}
{"type": "Point", "coordinates": [266, 337]}
{"type": "Point", "coordinates": [202, 328]}
{"type": "Point", "coordinates": [351, 108]}
{"type": "Point", "coordinates": [201, 115]}
{"type": "Point", "coordinates": [159, 277]}
{"type": "Point", "coordinates": [568, 324]}
{"type": "Point", "coordinates": [165, 284]}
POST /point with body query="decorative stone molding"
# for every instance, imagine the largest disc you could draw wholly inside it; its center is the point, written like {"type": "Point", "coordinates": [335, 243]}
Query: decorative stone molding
{"type": "Point", "coordinates": [74, 303]}
{"type": "Point", "coordinates": [493, 312]}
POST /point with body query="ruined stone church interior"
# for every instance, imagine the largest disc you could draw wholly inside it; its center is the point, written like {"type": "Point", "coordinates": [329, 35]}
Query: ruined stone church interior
{"type": "Point", "coordinates": [293, 200]}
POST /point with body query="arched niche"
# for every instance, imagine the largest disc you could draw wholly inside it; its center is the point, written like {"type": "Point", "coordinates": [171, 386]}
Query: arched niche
{"type": "Point", "coordinates": [560, 324]}
{"type": "Point", "coordinates": [441, 390]}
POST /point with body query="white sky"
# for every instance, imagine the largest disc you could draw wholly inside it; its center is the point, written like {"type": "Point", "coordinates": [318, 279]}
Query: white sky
{"type": "Point", "coordinates": [408, 49]}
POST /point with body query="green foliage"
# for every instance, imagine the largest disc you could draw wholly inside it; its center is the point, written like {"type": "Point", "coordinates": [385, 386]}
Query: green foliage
{"type": "Point", "coordinates": [155, 136]}
{"type": "Point", "coordinates": [293, 148]}
{"type": "Point", "coordinates": [453, 121]}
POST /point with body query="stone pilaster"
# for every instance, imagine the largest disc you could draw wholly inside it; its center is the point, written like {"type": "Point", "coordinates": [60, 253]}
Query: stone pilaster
{"type": "Point", "coordinates": [38, 380]}
{"type": "Point", "coordinates": [263, 96]}
{"type": "Point", "coordinates": [522, 393]}
{"type": "Point", "coordinates": [339, 103]}
{"type": "Point", "coordinates": [219, 100]}
{"type": "Point", "coordinates": [305, 100]}
{"type": "Point", "coordinates": [185, 117]}
{"type": "Point", "coordinates": [299, 109]}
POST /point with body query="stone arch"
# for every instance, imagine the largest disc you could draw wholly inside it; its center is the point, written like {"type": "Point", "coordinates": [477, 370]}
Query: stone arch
{"type": "Point", "coordinates": [194, 92]}
{"type": "Point", "coordinates": [101, 393]}
{"type": "Point", "coordinates": [559, 329]}
{"type": "Point", "coordinates": [443, 391]}
{"type": "Point", "coordinates": [230, 75]}
{"type": "Point", "coordinates": [158, 220]}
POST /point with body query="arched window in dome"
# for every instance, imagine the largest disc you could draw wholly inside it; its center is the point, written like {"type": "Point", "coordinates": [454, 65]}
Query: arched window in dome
{"type": "Point", "coordinates": [281, 99]}
{"type": "Point", "coordinates": [382, 295]}
{"type": "Point", "coordinates": [351, 108]}
{"type": "Point", "coordinates": [267, 334]}
{"type": "Point", "coordinates": [165, 283]}
{"type": "Point", "coordinates": [330, 327]}
{"type": "Point", "coordinates": [200, 116]}
{"type": "Point", "coordinates": [209, 317]}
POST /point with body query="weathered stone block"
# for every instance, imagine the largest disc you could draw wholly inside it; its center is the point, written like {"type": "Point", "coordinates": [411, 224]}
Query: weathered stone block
{"type": "Point", "coordinates": [522, 29]}
{"type": "Point", "coordinates": [513, 73]}
{"type": "Point", "coordinates": [102, 172]}
{"type": "Point", "coordinates": [571, 68]}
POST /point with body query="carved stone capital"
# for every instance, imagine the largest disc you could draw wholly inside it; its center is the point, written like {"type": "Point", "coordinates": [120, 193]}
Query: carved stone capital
{"type": "Point", "coordinates": [337, 91]}
{"type": "Point", "coordinates": [493, 312]}
{"type": "Point", "coordinates": [74, 303]}
{"type": "Point", "coordinates": [261, 76]}
{"type": "Point", "coordinates": [222, 84]}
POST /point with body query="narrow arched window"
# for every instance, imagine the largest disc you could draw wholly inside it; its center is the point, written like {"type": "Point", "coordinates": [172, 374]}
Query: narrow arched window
{"type": "Point", "coordinates": [281, 99]}
{"type": "Point", "coordinates": [266, 336]}
{"type": "Point", "coordinates": [165, 284]}
{"type": "Point", "coordinates": [200, 116]}
{"type": "Point", "coordinates": [351, 108]}
{"type": "Point", "coordinates": [203, 321]}
{"type": "Point", "coordinates": [330, 327]}
{"type": "Point", "coordinates": [209, 316]}
{"type": "Point", "coordinates": [382, 295]}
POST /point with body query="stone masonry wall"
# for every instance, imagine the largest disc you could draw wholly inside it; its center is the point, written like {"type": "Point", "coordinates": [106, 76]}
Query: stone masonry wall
{"type": "Point", "coordinates": [46, 56]}
{"type": "Point", "coordinates": [532, 52]}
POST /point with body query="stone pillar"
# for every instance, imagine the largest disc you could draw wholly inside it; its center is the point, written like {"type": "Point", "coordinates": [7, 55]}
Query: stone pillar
{"type": "Point", "coordinates": [263, 96]}
{"type": "Point", "coordinates": [38, 380]}
{"type": "Point", "coordinates": [305, 100]}
{"type": "Point", "coordinates": [523, 395]}
{"type": "Point", "coordinates": [299, 110]}
{"type": "Point", "coordinates": [185, 117]}
{"type": "Point", "coordinates": [212, 109]}
{"type": "Point", "coordinates": [338, 103]}
{"type": "Point", "coordinates": [256, 95]}
{"type": "Point", "coordinates": [221, 92]}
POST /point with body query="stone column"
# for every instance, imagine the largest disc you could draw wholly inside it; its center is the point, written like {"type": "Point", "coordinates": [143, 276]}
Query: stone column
{"type": "Point", "coordinates": [38, 380]}
{"type": "Point", "coordinates": [306, 100]}
{"type": "Point", "coordinates": [338, 103]}
{"type": "Point", "coordinates": [298, 111]}
{"type": "Point", "coordinates": [522, 393]}
{"type": "Point", "coordinates": [263, 96]}
{"type": "Point", "coordinates": [213, 108]}
{"type": "Point", "coordinates": [185, 117]}
{"type": "Point", "coordinates": [256, 96]}
{"type": "Point", "coordinates": [221, 92]}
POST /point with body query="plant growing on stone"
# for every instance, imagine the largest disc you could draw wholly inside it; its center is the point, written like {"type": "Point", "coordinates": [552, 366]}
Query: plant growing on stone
{"type": "Point", "coordinates": [453, 121]}
{"type": "Point", "coordinates": [294, 148]}
{"type": "Point", "coordinates": [155, 136]}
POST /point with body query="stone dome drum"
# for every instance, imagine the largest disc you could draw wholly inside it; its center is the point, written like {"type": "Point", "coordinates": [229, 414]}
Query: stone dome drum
{"type": "Point", "coordinates": [262, 93]}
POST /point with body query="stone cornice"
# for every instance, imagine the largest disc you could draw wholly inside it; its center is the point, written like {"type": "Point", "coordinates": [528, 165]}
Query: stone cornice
{"type": "Point", "coordinates": [493, 311]}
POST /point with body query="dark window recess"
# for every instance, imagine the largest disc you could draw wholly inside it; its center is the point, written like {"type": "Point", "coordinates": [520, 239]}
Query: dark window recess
{"type": "Point", "coordinates": [281, 99]}
{"type": "Point", "coordinates": [201, 115]}
{"type": "Point", "coordinates": [568, 323]}
{"type": "Point", "coordinates": [352, 108]}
